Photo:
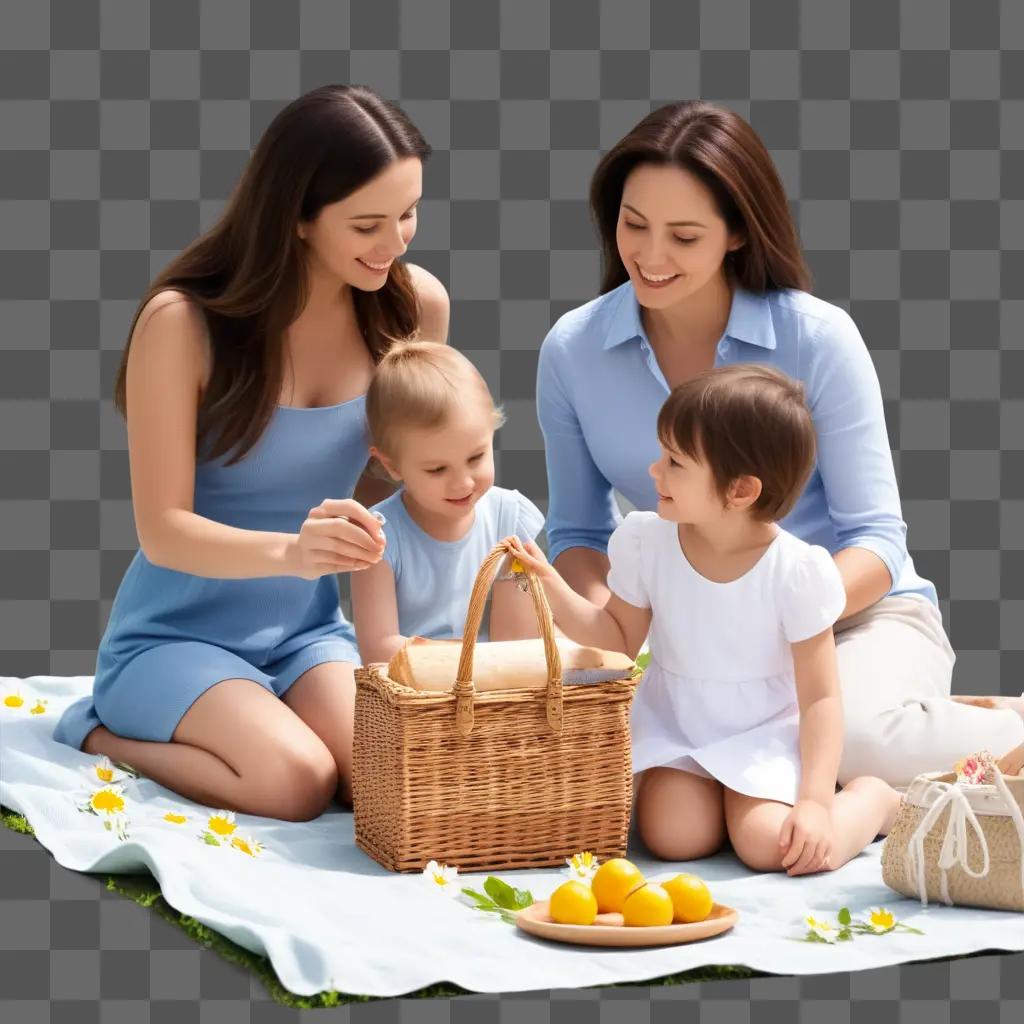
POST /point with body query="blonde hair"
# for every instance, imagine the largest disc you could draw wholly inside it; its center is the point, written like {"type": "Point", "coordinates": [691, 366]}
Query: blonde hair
{"type": "Point", "coordinates": [419, 384]}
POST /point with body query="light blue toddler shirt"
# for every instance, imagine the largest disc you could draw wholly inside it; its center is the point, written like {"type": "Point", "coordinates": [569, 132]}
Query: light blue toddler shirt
{"type": "Point", "coordinates": [434, 578]}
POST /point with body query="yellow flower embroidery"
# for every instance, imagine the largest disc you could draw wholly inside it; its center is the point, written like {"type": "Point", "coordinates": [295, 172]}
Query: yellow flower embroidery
{"type": "Point", "coordinates": [39, 708]}
{"type": "Point", "coordinates": [582, 866]}
{"type": "Point", "coordinates": [103, 793]}
{"type": "Point", "coordinates": [175, 819]}
{"type": "Point", "coordinates": [823, 929]}
{"type": "Point", "coordinates": [219, 828]}
{"type": "Point", "coordinates": [107, 801]}
{"type": "Point", "coordinates": [247, 845]}
{"type": "Point", "coordinates": [441, 877]}
{"type": "Point", "coordinates": [881, 920]}
{"type": "Point", "coordinates": [222, 823]}
{"type": "Point", "coordinates": [14, 700]}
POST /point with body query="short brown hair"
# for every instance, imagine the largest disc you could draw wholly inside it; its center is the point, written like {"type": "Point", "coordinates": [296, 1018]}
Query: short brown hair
{"type": "Point", "coordinates": [745, 420]}
{"type": "Point", "coordinates": [418, 384]}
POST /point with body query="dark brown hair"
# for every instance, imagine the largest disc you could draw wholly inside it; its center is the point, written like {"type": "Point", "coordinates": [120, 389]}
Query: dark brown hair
{"type": "Point", "coordinates": [725, 153]}
{"type": "Point", "coordinates": [247, 273]}
{"type": "Point", "coordinates": [747, 419]}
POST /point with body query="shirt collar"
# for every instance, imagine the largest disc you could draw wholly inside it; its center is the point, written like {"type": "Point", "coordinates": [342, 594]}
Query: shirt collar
{"type": "Point", "coordinates": [750, 319]}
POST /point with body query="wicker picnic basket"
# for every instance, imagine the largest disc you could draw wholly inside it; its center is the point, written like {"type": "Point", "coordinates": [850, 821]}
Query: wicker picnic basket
{"type": "Point", "coordinates": [959, 843]}
{"type": "Point", "coordinates": [512, 778]}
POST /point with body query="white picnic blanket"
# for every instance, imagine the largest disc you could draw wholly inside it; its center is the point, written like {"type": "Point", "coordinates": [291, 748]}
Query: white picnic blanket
{"type": "Point", "coordinates": [327, 916]}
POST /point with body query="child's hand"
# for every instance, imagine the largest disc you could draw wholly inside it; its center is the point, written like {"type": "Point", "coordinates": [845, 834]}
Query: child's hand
{"type": "Point", "coordinates": [532, 557]}
{"type": "Point", "coordinates": [805, 839]}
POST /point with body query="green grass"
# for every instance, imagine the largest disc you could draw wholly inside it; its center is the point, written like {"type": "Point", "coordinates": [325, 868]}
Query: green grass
{"type": "Point", "coordinates": [143, 889]}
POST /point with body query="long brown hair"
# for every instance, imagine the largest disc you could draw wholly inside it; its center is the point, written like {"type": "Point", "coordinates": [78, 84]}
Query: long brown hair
{"type": "Point", "coordinates": [247, 273]}
{"type": "Point", "coordinates": [725, 153]}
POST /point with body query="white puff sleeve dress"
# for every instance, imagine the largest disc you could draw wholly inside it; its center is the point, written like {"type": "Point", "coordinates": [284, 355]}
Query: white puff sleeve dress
{"type": "Point", "coordinates": [719, 696]}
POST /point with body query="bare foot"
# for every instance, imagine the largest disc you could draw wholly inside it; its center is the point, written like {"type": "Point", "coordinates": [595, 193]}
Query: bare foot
{"type": "Point", "coordinates": [1011, 763]}
{"type": "Point", "coordinates": [893, 801]}
{"type": "Point", "coordinates": [996, 703]}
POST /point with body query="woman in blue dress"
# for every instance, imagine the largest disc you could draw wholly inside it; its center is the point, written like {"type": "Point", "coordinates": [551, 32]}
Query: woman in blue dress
{"type": "Point", "coordinates": [702, 268]}
{"type": "Point", "coordinates": [226, 668]}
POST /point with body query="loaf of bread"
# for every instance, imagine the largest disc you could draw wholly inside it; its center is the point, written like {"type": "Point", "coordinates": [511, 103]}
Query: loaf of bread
{"type": "Point", "coordinates": [504, 664]}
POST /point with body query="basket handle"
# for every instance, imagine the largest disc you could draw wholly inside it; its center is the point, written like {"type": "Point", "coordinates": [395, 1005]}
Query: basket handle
{"type": "Point", "coordinates": [463, 689]}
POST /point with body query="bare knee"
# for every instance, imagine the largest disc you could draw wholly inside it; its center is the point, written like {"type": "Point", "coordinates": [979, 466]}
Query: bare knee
{"type": "Point", "coordinates": [758, 849]}
{"type": "Point", "coordinates": [297, 785]}
{"type": "Point", "coordinates": [754, 827]}
{"type": "Point", "coordinates": [679, 814]}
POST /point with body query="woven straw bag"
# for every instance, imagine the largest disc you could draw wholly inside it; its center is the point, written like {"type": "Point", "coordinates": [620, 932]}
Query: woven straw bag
{"type": "Point", "coordinates": [930, 853]}
{"type": "Point", "coordinates": [513, 778]}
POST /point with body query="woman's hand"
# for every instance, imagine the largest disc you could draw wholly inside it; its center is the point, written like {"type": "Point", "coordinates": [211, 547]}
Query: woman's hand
{"type": "Point", "coordinates": [532, 557]}
{"type": "Point", "coordinates": [805, 839]}
{"type": "Point", "coordinates": [339, 535]}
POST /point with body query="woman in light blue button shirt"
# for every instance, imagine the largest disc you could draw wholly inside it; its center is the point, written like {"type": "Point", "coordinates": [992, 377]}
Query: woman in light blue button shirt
{"type": "Point", "coordinates": [702, 268]}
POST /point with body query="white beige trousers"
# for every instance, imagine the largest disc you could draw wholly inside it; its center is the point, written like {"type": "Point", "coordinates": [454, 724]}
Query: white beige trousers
{"type": "Point", "coordinates": [895, 672]}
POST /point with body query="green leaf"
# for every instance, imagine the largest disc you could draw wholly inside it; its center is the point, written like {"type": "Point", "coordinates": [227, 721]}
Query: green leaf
{"type": "Point", "coordinates": [907, 928]}
{"type": "Point", "coordinates": [844, 916]}
{"type": "Point", "coordinates": [523, 898]}
{"type": "Point", "coordinates": [211, 840]}
{"type": "Point", "coordinates": [501, 892]}
{"type": "Point", "coordinates": [484, 902]}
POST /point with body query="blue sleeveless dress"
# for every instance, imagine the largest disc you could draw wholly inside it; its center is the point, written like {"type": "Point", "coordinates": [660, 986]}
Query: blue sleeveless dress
{"type": "Point", "coordinates": [171, 635]}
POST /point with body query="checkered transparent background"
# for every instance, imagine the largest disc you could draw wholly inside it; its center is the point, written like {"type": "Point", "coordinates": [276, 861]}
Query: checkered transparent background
{"type": "Point", "coordinates": [898, 129]}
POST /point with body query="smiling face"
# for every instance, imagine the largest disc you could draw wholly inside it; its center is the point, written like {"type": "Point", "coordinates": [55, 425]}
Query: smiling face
{"type": "Point", "coordinates": [686, 489]}
{"type": "Point", "coordinates": [670, 236]}
{"type": "Point", "coordinates": [447, 470]}
{"type": "Point", "coordinates": [356, 239]}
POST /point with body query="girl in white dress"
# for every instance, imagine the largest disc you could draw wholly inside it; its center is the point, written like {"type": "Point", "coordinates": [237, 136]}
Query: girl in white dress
{"type": "Point", "coordinates": [737, 722]}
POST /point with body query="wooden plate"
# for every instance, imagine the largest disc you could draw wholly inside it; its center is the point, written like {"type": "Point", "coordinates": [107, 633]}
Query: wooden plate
{"type": "Point", "coordinates": [608, 929]}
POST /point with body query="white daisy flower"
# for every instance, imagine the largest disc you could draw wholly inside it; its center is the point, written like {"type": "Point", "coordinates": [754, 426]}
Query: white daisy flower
{"type": "Point", "coordinates": [442, 878]}
{"type": "Point", "coordinates": [581, 866]}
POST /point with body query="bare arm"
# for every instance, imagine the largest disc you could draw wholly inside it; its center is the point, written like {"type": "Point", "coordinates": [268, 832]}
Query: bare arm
{"type": "Point", "coordinates": [166, 365]}
{"type": "Point", "coordinates": [821, 716]}
{"type": "Point", "coordinates": [434, 305]}
{"type": "Point", "coordinates": [586, 571]}
{"type": "Point", "coordinates": [865, 577]}
{"type": "Point", "coordinates": [375, 613]}
{"type": "Point", "coordinates": [513, 616]}
{"type": "Point", "coordinates": [615, 625]}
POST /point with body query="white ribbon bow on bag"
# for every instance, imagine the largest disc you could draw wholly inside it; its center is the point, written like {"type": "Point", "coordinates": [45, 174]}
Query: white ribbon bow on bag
{"type": "Point", "coordinates": [954, 843]}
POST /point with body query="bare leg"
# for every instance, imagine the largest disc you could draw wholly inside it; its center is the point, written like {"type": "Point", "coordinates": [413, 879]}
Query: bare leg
{"type": "Point", "coordinates": [324, 698]}
{"type": "Point", "coordinates": [267, 763]}
{"type": "Point", "coordinates": [679, 814]}
{"type": "Point", "coordinates": [865, 808]}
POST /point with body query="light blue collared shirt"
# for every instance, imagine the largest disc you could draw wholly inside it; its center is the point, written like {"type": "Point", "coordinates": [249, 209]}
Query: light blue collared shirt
{"type": "Point", "coordinates": [599, 389]}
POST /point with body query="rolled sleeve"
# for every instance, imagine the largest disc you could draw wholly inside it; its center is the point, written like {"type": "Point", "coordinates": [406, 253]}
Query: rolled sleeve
{"type": "Point", "coordinates": [854, 458]}
{"type": "Point", "coordinates": [582, 511]}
